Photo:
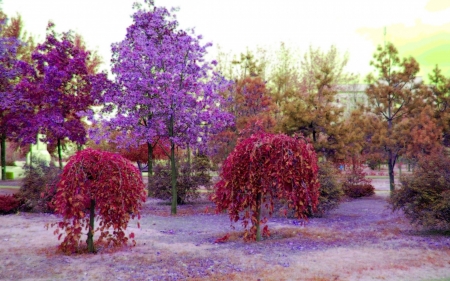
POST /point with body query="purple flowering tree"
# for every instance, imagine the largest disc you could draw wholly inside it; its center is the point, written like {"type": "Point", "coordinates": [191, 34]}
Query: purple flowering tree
{"type": "Point", "coordinates": [61, 89]}
{"type": "Point", "coordinates": [164, 87]}
{"type": "Point", "coordinates": [8, 74]}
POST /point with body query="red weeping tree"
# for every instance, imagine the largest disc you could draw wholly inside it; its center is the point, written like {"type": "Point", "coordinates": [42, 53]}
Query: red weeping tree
{"type": "Point", "coordinates": [97, 183]}
{"type": "Point", "coordinates": [264, 167]}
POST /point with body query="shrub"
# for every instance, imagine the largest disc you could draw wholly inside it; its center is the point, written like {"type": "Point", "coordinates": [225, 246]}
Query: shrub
{"type": "Point", "coordinates": [373, 164]}
{"type": "Point", "coordinates": [424, 196]}
{"type": "Point", "coordinates": [189, 180]}
{"type": "Point", "coordinates": [262, 168]}
{"type": "Point", "coordinates": [355, 184]}
{"type": "Point", "coordinates": [39, 187]}
{"type": "Point", "coordinates": [359, 190]}
{"type": "Point", "coordinates": [102, 184]}
{"type": "Point", "coordinates": [9, 204]}
{"type": "Point", "coordinates": [330, 189]}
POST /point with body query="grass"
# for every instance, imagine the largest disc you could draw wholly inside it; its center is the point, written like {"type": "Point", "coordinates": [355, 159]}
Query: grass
{"type": "Point", "coordinates": [9, 186]}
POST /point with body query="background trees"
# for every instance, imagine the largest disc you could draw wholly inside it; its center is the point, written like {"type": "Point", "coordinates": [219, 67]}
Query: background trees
{"type": "Point", "coordinates": [312, 109]}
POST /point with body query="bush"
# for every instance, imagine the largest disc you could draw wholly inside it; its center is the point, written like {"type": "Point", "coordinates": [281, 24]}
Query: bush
{"type": "Point", "coordinates": [39, 187]}
{"type": "Point", "coordinates": [373, 164]}
{"type": "Point", "coordinates": [9, 204]}
{"type": "Point", "coordinates": [355, 183]}
{"type": "Point", "coordinates": [189, 180]}
{"type": "Point", "coordinates": [330, 189]}
{"type": "Point", "coordinates": [359, 190]}
{"type": "Point", "coordinates": [424, 196]}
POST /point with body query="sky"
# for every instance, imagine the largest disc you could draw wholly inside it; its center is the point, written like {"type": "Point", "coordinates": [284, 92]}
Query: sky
{"type": "Point", "coordinates": [418, 28]}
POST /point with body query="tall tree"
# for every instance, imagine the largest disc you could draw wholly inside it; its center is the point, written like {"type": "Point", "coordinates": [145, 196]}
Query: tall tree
{"type": "Point", "coordinates": [164, 86]}
{"type": "Point", "coordinates": [283, 79]}
{"type": "Point", "coordinates": [394, 94]}
{"type": "Point", "coordinates": [311, 110]}
{"type": "Point", "coordinates": [8, 75]}
{"type": "Point", "coordinates": [440, 102]}
{"type": "Point", "coordinates": [61, 88]}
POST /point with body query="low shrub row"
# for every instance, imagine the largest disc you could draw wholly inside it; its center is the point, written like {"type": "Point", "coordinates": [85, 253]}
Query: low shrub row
{"type": "Point", "coordinates": [9, 204]}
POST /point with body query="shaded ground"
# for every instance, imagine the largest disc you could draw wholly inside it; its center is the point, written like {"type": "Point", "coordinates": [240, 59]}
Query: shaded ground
{"type": "Point", "coordinates": [361, 240]}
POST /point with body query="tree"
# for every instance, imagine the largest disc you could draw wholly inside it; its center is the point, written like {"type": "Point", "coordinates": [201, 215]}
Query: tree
{"type": "Point", "coordinates": [264, 167]}
{"type": "Point", "coordinates": [440, 102]}
{"type": "Point", "coordinates": [393, 95]}
{"type": "Point", "coordinates": [97, 182]}
{"type": "Point", "coordinates": [284, 79]}
{"type": "Point", "coordinates": [311, 110]}
{"type": "Point", "coordinates": [249, 100]}
{"type": "Point", "coordinates": [164, 88]}
{"type": "Point", "coordinates": [8, 74]}
{"type": "Point", "coordinates": [61, 88]}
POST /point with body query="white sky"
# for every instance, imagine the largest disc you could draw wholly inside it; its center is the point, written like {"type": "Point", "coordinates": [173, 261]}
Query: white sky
{"type": "Point", "coordinates": [237, 24]}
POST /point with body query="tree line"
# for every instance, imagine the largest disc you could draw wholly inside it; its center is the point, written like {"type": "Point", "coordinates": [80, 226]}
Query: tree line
{"type": "Point", "coordinates": [166, 100]}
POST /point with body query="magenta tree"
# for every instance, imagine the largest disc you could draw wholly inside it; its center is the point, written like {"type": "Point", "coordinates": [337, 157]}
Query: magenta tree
{"type": "Point", "coordinates": [60, 88]}
{"type": "Point", "coordinates": [8, 102]}
{"type": "Point", "coordinates": [164, 87]}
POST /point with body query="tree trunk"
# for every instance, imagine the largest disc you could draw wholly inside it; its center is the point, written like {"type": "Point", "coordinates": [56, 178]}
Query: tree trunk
{"type": "Point", "coordinates": [90, 238]}
{"type": "Point", "coordinates": [173, 173]}
{"type": "Point", "coordinates": [189, 159]}
{"type": "Point", "coordinates": [31, 157]}
{"type": "Point", "coordinates": [150, 168]}
{"type": "Point", "coordinates": [173, 176]}
{"type": "Point", "coordinates": [3, 156]}
{"type": "Point", "coordinates": [258, 216]}
{"type": "Point", "coordinates": [59, 154]}
{"type": "Point", "coordinates": [391, 166]}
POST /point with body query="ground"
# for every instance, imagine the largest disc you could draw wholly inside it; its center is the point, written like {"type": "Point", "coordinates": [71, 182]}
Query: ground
{"type": "Point", "coordinates": [361, 240]}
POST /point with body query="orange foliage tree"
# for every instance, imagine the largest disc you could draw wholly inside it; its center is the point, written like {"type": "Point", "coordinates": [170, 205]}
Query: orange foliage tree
{"type": "Point", "coordinates": [253, 110]}
{"type": "Point", "coordinates": [394, 95]}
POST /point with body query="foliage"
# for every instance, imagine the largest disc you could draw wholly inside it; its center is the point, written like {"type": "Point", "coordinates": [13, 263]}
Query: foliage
{"type": "Point", "coordinates": [9, 204]}
{"type": "Point", "coordinates": [189, 180]}
{"type": "Point", "coordinates": [424, 196]}
{"type": "Point", "coordinates": [355, 184]}
{"type": "Point", "coordinates": [359, 190]}
{"type": "Point", "coordinates": [330, 191]}
{"type": "Point", "coordinates": [395, 97]}
{"type": "Point", "coordinates": [39, 187]}
{"type": "Point", "coordinates": [310, 108]}
{"type": "Point", "coordinates": [164, 87]}
{"type": "Point", "coordinates": [60, 89]}
{"type": "Point", "coordinates": [102, 184]}
{"type": "Point", "coordinates": [9, 73]}
{"type": "Point", "coordinates": [251, 104]}
{"type": "Point", "coordinates": [262, 168]}
{"type": "Point", "coordinates": [440, 102]}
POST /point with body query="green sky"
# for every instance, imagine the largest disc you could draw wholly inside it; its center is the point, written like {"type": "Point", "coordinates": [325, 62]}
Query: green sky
{"type": "Point", "coordinates": [429, 44]}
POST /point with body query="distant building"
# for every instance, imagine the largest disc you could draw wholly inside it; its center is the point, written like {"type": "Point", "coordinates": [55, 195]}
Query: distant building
{"type": "Point", "coordinates": [349, 97]}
